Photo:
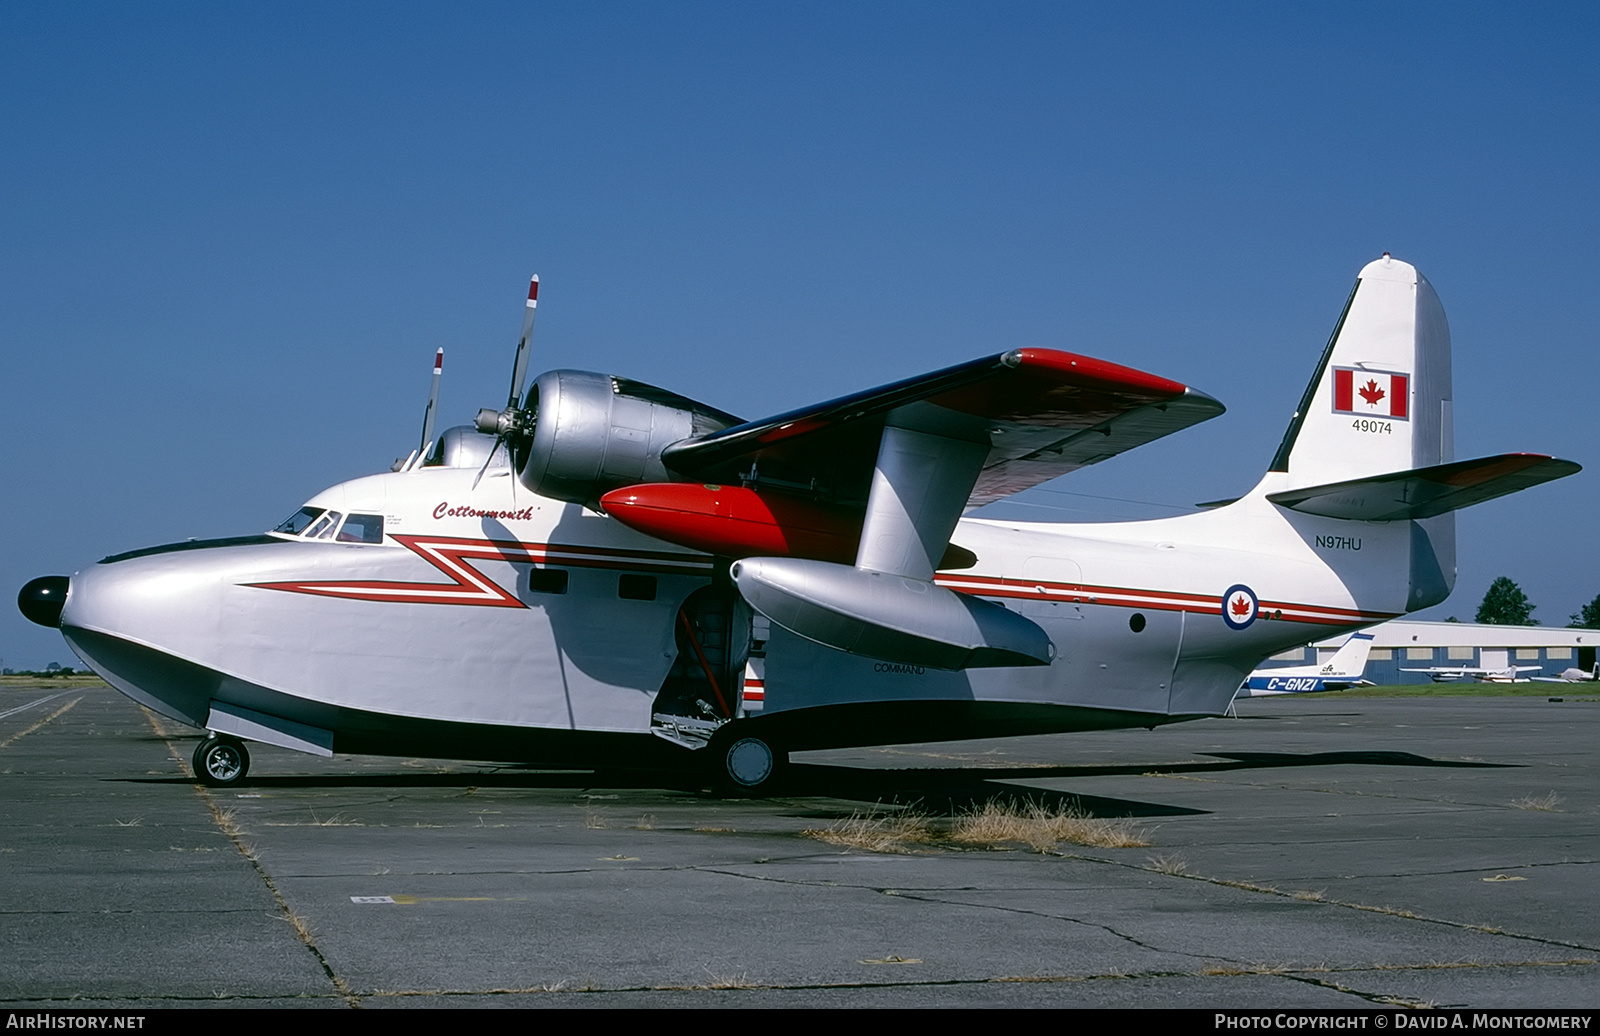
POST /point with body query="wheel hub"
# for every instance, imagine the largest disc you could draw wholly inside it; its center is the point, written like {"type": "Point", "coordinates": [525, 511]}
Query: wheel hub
{"type": "Point", "coordinates": [750, 761]}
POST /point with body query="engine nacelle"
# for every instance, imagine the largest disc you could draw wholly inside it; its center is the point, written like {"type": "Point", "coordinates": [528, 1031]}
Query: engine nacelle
{"type": "Point", "coordinates": [592, 433]}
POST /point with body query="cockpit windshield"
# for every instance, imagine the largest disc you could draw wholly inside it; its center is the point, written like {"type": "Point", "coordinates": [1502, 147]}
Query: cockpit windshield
{"type": "Point", "coordinates": [317, 523]}
{"type": "Point", "coordinates": [323, 527]}
{"type": "Point", "coordinates": [362, 528]}
{"type": "Point", "coordinates": [297, 523]}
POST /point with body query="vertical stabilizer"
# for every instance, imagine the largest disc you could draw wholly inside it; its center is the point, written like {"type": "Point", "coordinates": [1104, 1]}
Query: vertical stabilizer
{"type": "Point", "coordinates": [1379, 403]}
{"type": "Point", "coordinates": [1380, 400]}
{"type": "Point", "coordinates": [1351, 658]}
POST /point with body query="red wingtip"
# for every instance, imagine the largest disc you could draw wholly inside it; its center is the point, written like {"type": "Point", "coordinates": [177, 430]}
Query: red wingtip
{"type": "Point", "coordinates": [438, 361]}
{"type": "Point", "coordinates": [533, 289]}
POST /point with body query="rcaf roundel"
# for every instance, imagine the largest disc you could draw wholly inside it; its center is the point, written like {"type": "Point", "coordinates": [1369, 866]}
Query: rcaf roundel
{"type": "Point", "coordinates": [1240, 606]}
{"type": "Point", "coordinates": [1368, 393]}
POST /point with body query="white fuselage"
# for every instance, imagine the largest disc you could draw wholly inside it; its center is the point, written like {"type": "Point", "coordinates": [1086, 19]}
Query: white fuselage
{"type": "Point", "coordinates": [442, 622]}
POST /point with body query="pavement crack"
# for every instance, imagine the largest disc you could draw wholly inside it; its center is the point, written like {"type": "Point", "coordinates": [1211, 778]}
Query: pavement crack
{"type": "Point", "coordinates": [900, 892]}
{"type": "Point", "coordinates": [1267, 890]}
{"type": "Point", "coordinates": [1372, 998]}
{"type": "Point", "coordinates": [1001, 908]}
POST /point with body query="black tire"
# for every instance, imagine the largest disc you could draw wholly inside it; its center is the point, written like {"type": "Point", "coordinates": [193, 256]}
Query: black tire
{"type": "Point", "coordinates": [747, 763]}
{"type": "Point", "coordinates": [221, 762]}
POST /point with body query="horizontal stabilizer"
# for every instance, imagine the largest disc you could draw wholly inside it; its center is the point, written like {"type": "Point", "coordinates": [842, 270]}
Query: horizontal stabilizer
{"type": "Point", "coordinates": [1426, 492]}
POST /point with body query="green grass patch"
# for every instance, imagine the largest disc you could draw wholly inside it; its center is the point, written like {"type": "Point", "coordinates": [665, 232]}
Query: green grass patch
{"type": "Point", "coordinates": [47, 682]}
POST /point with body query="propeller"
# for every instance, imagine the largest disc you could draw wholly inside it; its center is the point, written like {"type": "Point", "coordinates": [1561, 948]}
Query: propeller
{"type": "Point", "coordinates": [503, 424]}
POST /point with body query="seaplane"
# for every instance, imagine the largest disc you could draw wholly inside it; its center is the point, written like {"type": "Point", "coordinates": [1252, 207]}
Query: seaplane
{"type": "Point", "coordinates": [603, 573]}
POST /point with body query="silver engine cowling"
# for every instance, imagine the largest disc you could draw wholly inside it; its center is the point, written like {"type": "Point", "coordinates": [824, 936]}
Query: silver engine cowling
{"type": "Point", "coordinates": [592, 433]}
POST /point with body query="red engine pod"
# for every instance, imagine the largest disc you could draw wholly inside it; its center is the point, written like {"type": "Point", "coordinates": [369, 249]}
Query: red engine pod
{"type": "Point", "coordinates": [736, 522]}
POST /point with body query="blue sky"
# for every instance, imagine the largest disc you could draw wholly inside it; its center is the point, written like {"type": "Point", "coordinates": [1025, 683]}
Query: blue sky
{"type": "Point", "coordinates": [235, 234]}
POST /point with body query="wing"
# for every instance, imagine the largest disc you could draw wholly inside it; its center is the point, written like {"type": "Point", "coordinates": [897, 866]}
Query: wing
{"type": "Point", "coordinates": [880, 478]}
{"type": "Point", "coordinates": [1036, 414]}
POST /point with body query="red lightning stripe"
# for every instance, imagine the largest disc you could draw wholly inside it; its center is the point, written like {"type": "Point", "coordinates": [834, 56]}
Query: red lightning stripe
{"type": "Point", "coordinates": [468, 586]}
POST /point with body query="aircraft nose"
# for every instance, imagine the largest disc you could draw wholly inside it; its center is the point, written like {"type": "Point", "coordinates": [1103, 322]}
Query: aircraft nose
{"type": "Point", "coordinates": [41, 600]}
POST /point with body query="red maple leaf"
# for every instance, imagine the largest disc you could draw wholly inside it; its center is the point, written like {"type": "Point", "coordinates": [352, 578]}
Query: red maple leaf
{"type": "Point", "coordinates": [1240, 606]}
{"type": "Point", "coordinates": [1371, 392]}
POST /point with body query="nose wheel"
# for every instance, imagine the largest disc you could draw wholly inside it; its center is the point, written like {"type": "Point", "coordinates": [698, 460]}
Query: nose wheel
{"type": "Point", "coordinates": [220, 761]}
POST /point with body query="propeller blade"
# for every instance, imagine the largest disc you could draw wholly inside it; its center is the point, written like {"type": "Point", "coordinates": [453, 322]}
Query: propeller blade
{"type": "Point", "coordinates": [503, 423]}
{"type": "Point", "coordinates": [487, 461]}
{"type": "Point", "coordinates": [519, 370]}
{"type": "Point", "coordinates": [433, 405]}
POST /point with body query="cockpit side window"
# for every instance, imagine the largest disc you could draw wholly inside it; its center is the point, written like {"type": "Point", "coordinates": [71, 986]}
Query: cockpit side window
{"type": "Point", "coordinates": [362, 528]}
{"type": "Point", "coordinates": [298, 522]}
{"type": "Point", "coordinates": [323, 527]}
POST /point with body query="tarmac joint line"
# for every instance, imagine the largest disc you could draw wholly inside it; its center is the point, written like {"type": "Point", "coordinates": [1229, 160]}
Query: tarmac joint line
{"type": "Point", "coordinates": [28, 730]}
{"type": "Point", "coordinates": [226, 824]}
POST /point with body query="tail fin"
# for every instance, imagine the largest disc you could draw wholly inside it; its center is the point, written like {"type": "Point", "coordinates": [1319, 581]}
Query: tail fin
{"type": "Point", "coordinates": [1373, 439]}
{"type": "Point", "coordinates": [1380, 400]}
{"type": "Point", "coordinates": [1351, 658]}
{"type": "Point", "coordinates": [1379, 403]}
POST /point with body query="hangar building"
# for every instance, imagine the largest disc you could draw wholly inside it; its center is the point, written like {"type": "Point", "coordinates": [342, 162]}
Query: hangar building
{"type": "Point", "coordinates": [1405, 644]}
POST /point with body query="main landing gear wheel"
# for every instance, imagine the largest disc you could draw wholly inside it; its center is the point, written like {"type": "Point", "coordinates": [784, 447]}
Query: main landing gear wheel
{"type": "Point", "coordinates": [221, 762]}
{"type": "Point", "coordinates": [748, 763]}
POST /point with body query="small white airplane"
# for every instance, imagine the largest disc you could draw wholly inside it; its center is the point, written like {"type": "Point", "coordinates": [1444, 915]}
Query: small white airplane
{"type": "Point", "coordinates": [638, 579]}
{"type": "Point", "coordinates": [1573, 675]}
{"type": "Point", "coordinates": [1338, 673]}
{"type": "Point", "coordinates": [1455, 674]}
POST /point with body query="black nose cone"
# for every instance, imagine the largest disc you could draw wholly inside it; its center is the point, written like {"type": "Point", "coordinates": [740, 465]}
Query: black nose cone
{"type": "Point", "coordinates": [41, 600]}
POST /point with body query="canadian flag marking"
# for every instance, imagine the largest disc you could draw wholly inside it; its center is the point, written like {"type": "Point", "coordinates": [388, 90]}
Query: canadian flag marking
{"type": "Point", "coordinates": [1370, 393]}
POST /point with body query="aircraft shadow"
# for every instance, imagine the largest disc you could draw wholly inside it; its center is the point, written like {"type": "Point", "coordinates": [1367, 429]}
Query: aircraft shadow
{"type": "Point", "coordinates": [940, 790]}
{"type": "Point", "coordinates": [965, 788]}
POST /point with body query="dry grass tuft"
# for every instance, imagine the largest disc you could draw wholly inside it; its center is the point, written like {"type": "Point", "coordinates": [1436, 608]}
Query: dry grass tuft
{"type": "Point", "coordinates": [875, 831]}
{"type": "Point", "coordinates": [1042, 828]}
{"type": "Point", "coordinates": [1546, 803]}
{"type": "Point", "coordinates": [721, 981]}
{"type": "Point", "coordinates": [1224, 970]}
{"type": "Point", "coordinates": [337, 820]}
{"type": "Point", "coordinates": [1170, 863]}
{"type": "Point", "coordinates": [994, 826]}
{"type": "Point", "coordinates": [228, 821]}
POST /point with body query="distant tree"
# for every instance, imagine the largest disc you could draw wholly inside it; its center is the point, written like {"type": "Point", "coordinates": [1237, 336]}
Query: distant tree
{"type": "Point", "coordinates": [1589, 617]}
{"type": "Point", "coordinates": [1506, 605]}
